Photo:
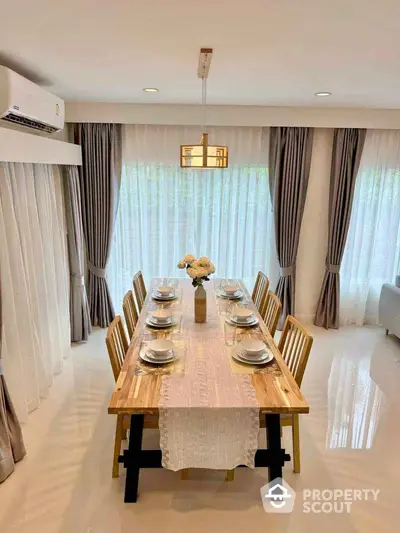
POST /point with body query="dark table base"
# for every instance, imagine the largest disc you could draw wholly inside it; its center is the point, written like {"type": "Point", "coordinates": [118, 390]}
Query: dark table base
{"type": "Point", "coordinates": [134, 458]}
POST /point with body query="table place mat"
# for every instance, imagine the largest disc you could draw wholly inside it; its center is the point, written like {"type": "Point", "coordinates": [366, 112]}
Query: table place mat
{"type": "Point", "coordinates": [175, 367]}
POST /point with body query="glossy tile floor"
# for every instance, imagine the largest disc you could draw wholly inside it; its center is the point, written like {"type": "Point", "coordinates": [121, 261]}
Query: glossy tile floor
{"type": "Point", "coordinates": [350, 440]}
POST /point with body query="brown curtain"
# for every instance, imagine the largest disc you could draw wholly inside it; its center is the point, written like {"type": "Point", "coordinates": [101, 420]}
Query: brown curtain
{"type": "Point", "coordinates": [289, 169]}
{"type": "Point", "coordinates": [348, 145]}
{"type": "Point", "coordinates": [12, 447]}
{"type": "Point", "coordinates": [100, 178]}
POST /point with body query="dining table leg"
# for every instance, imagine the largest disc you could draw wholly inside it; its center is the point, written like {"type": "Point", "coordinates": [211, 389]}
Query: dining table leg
{"type": "Point", "coordinates": [132, 458]}
{"type": "Point", "coordinates": [277, 455]}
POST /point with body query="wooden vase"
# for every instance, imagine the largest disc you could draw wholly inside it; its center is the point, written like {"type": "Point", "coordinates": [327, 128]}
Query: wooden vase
{"type": "Point", "coordinates": [200, 305]}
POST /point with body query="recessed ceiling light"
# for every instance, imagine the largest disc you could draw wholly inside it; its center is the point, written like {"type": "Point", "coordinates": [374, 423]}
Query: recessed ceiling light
{"type": "Point", "coordinates": [323, 93]}
{"type": "Point", "coordinates": [151, 90]}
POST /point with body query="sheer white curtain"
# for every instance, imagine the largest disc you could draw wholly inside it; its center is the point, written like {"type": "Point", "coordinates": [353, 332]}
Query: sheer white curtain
{"type": "Point", "coordinates": [372, 253]}
{"type": "Point", "coordinates": [34, 273]}
{"type": "Point", "coordinates": [166, 212]}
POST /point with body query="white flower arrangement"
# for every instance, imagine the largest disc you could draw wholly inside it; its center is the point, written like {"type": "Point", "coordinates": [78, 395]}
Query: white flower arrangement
{"type": "Point", "coordinates": [197, 269]}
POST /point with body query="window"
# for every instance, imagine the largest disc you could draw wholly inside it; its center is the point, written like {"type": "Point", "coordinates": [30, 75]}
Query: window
{"type": "Point", "coordinates": [372, 254]}
{"type": "Point", "coordinates": [165, 212]}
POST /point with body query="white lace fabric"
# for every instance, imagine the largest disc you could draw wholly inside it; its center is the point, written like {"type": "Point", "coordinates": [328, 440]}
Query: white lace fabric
{"type": "Point", "coordinates": [209, 417]}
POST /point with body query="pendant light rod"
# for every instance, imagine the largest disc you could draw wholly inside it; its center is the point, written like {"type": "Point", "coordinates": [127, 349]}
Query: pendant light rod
{"type": "Point", "coordinates": [204, 102]}
{"type": "Point", "coordinates": [202, 72]}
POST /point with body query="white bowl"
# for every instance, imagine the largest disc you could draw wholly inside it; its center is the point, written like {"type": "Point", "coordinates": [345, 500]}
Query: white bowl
{"type": "Point", "coordinates": [160, 346]}
{"type": "Point", "coordinates": [162, 315]}
{"type": "Point", "coordinates": [242, 314]}
{"type": "Point", "coordinates": [230, 289]}
{"type": "Point", "coordinates": [253, 347]}
{"type": "Point", "coordinates": [165, 290]}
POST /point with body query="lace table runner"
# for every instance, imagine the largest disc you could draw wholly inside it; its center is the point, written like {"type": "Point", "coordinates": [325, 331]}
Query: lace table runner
{"type": "Point", "coordinates": [209, 416]}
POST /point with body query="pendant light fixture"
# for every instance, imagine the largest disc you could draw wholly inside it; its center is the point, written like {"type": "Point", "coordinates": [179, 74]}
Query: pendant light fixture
{"type": "Point", "coordinates": [204, 155]}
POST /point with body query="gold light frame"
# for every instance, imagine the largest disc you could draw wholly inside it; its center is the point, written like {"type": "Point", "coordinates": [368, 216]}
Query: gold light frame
{"type": "Point", "coordinates": [204, 155]}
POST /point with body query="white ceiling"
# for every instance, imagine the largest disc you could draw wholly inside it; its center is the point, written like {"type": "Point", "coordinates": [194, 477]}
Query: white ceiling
{"type": "Point", "coordinates": [266, 52]}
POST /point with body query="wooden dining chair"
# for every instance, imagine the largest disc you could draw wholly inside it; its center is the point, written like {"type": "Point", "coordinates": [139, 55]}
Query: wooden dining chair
{"type": "Point", "coordinates": [130, 313]}
{"type": "Point", "coordinates": [273, 309]}
{"type": "Point", "coordinates": [140, 289]}
{"type": "Point", "coordinates": [295, 345]}
{"type": "Point", "coordinates": [117, 346]}
{"type": "Point", "coordinates": [260, 292]}
{"type": "Point", "coordinates": [256, 285]}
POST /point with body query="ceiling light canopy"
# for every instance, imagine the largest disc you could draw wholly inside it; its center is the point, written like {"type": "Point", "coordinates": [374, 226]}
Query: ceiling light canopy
{"type": "Point", "coordinates": [204, 155]}
{"type": "Point", "coordinates": [323, 93]}
{"type": "Point", "coordinates": [151, 90]}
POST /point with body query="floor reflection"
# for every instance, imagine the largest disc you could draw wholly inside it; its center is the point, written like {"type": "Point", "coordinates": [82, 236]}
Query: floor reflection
{"type": "Point", "coordinates": [354, 403]}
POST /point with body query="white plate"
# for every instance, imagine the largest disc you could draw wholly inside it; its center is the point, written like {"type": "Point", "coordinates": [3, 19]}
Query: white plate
{"type": "Point", "coordinates": [236, 296]}
{"type": "Point", "coordinates": [161, 316]}
{"type": "Point", "coordinates": [244, 313]}
{"type": "Point", "coordinates": [230, 290]}
{"type": "Point", "coordinates": [158, 296]}
{"type": "Point", "coordinates": [242, 324]}
{"type": "Point", "coordinates": [250, 321]}
{"type": "Point", "coordinates": [253, 347]}
{"type": "Point", "coordinates": [159, 325]}
{"type": "Point", "coordinates": [240, 356]}
{"type": "Point", "coordinates": [161, 347]}
{"type": "Point", "coordinates": [165, 290]}
{"type": "Point", "coordinates": [146, 356]}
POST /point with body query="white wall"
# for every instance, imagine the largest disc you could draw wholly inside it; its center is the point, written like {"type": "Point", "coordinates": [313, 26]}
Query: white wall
{"type": "Point", "coordinates": [185, 115]}
{"type": "Point", "coordinates": [19, 147]}
{"type": "Point", "coordinates": [314, 229]}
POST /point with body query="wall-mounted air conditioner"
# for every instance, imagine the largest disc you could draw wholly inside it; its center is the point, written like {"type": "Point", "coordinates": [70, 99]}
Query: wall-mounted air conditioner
{"type": "Point", "coordinates": [26, 104]}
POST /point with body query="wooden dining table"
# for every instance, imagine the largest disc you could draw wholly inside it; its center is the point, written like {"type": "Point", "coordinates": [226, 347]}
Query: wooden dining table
{"type": "Point", "coordinates": [137, 392]}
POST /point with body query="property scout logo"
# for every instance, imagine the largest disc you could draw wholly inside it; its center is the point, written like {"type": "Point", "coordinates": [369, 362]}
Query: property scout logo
{"type": "Point", "coordinates": [279, 497]}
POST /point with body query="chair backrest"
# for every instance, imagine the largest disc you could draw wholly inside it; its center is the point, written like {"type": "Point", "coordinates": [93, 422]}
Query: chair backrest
{"type": "Point", "coordinates": [260, 292]}
{"type": "Point", "coordinates": [140, 289]}
{"type": "Point", "coordinates": [130, 312]}
{"type": "Point", "coordinates": [256, 285]}
{"type": "Point", "coordinates": [117, 345]}
{"type": "Point", "coordinates": [295, 345]}
{"type": "Point", "coordinates": [273, 309]}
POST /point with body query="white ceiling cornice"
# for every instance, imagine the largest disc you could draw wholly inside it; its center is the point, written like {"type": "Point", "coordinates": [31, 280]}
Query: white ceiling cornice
{"type": "Point", "coordinates": [186, 115]}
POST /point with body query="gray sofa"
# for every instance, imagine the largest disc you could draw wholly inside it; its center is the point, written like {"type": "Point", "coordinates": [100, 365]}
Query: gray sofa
{"type": "Point", "coordinates": [389, 307]}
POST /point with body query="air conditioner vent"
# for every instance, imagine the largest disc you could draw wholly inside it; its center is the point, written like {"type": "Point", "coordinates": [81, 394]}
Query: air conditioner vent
{"type": "Point", "coordinates": [24, 121]}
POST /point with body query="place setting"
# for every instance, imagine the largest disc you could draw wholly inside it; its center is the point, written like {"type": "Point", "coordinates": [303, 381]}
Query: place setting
{"type": "Point", "coordinates": [247, 351]}
{"type": "Point", "coordinates": [161, 356]}
{"type": "Point", "coordinates": [252, 351]}
{"type": "Point", "coordinates": [158, 352]}
{"type": "Point", "coordinates": [165, 293]}
{"type": "Point", "coordinates": [230, 291]}
{"type": "Point", "coordinates": [161, 319]}
{"type": "Point", "coordinates": [242, 317]}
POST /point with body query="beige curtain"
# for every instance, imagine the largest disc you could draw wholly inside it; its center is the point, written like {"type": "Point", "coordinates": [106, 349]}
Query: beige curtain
{"type": "Point", "coordinates": [79, 306]}
{"type": "Point", "coordinates": [289, 169]}
{"type": "Point", "coordinates": [12, 447]}
{"type": "Point", "coordinates": [348, 144]}
{"type": "Point", "coordinates": [100, 178]}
